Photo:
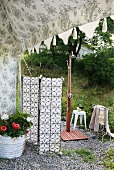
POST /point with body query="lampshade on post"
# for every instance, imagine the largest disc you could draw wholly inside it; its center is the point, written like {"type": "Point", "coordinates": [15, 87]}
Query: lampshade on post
{"type": "Point", "coordinates": [42, 47]}
{"type": "Point", "coordinates": [72, 55]}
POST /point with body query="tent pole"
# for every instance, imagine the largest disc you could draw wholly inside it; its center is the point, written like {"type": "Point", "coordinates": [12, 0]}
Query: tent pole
{"type": "Point", "coordinates": [68, 114]}
{"type": "Point", "coordinates": [19, 83]}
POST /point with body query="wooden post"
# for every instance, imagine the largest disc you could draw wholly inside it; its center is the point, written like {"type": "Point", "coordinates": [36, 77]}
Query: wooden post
{"type": "Point", "coordinates": [19, 84]}
{"type": "Point", "coordinates": [68, 114]}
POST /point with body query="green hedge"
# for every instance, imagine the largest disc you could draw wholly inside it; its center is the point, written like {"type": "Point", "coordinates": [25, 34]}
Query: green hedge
{"type": "Point", "coordinates": [98, 67]}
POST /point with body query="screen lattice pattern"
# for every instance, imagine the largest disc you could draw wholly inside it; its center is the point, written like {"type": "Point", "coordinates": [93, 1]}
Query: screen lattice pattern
{"type": "Point", "coordinates": [31, 104]}
{"type": "Point", "coordinates": [42, 99]}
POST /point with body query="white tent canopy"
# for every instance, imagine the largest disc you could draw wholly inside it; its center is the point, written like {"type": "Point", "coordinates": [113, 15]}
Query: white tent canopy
{"type": "Point", "coordinates": [25, 23]}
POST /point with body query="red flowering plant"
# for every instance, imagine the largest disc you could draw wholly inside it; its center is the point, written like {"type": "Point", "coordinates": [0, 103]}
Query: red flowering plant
{"type": "Point", "coordinates": [15, 125]}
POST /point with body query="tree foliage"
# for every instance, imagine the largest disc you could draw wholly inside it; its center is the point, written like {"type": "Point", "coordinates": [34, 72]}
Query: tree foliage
{"type": "Point", "coordinates": [98, 67]}
{"type": "Point", "coordinates": [100, 38]}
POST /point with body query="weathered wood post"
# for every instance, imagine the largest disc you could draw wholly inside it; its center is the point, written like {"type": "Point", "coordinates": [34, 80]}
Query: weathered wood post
{"type": "Point", "coordinates": [68, 114]}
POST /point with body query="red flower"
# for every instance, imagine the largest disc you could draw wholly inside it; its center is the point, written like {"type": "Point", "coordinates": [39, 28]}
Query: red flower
{"type": "Point", "coordinates": [16, 126]}
{"type": "Point", "coordinates": [3, 128]}
{"type": "Point", "coordinates": [13, 124]}
{"type": "Point", "coordinates": [27, 131]}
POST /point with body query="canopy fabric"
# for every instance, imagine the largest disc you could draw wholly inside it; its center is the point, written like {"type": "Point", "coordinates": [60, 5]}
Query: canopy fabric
{"type": "Point", "coordinates": [89, 28]}
{"type": "Point", "coordinates": [25, 23]}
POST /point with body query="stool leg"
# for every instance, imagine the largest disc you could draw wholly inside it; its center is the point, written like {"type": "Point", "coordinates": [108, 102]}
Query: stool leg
{"type": "Point", "coordinates": [75, 120]}
{"type": "Point", "coordinates": [72, 117]}
{"type": "Point", "coordinates": [85, 120]}
{"type": "Point", "coordinates": [81, 119]}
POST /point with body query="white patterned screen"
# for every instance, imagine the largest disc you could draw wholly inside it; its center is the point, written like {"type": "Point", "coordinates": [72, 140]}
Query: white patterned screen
{"type": "Point", "coordinates": [7, 83]}
{"type": "Point", "coordinates": [30, 103]}
{"type": "Point", "coordinates": [42, 99]}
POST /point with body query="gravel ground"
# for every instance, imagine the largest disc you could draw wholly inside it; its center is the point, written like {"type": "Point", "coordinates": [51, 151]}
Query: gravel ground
{"type": "Point", "coordinates": [31, 160]}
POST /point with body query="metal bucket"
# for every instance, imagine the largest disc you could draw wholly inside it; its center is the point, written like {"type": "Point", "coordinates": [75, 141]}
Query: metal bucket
{"type": "Point", "coordinates": [11, 147]}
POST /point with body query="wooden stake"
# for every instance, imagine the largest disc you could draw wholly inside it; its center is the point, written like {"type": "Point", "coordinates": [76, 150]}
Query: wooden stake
{"type": "Point", "coordinates": [68, 114]}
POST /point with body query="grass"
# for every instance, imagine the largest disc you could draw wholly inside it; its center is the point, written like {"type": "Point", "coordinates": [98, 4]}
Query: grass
{"type": "Point", "coordinates": [85, 154]}
{"type": "Point", "coordinates": [83, 93]}
{"type": "Point", "coordinates": [106, 139]}
{"type": "Point", "coordinates": [67, 152]}
{"type": "Point", "coordinates": [87, 96]}
{"type": "Point", "coordinates": [109, 159]}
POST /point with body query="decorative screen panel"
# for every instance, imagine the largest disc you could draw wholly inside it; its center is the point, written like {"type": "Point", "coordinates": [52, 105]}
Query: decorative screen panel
{"type": "Point", "coordinates": [50, 114]}
{"type": "Point", "coordinates": [31, 104]}
{"type": "Point", "coordinates": [42, 99]}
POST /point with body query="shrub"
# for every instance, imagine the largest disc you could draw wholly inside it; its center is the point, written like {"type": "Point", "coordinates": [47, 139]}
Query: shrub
{"type": "Point", "coordinates": [98, 67]}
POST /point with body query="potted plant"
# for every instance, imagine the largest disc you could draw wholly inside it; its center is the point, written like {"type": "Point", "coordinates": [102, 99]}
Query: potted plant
{"type": "Point", "coordinates": [13, 130]}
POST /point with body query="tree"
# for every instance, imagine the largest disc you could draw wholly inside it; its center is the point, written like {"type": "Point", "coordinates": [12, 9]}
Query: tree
{"type": "Point", "coordinates": [101, 39]}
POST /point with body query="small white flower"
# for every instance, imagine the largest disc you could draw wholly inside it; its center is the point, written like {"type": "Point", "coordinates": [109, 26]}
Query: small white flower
{"type": "Point", "coordinates": [60, 153]}
{"type": "Point", "coordinates": [29, 119]}
{"type": "Point", "coordinates": [4, 117]}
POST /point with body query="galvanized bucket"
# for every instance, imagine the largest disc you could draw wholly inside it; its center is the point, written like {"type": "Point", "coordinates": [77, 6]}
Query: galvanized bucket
{"type": "Point", "coordinates": [11, 147]}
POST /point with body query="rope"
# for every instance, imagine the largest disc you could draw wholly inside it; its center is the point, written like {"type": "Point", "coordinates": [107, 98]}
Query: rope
{"type": "Point", "coordinates": [27, 66]}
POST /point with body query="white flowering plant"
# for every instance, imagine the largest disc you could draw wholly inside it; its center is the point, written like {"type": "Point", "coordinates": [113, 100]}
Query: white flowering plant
{"type": "Point", "coordinates": [15, 125]}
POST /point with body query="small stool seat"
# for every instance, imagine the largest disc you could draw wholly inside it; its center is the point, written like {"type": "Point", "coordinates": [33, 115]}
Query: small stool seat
{"type": "Point", "coordinates": [77, 113]}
